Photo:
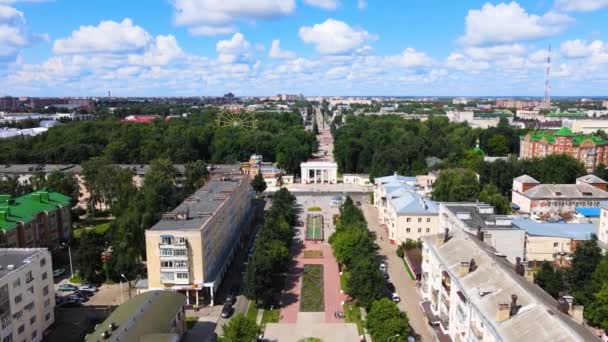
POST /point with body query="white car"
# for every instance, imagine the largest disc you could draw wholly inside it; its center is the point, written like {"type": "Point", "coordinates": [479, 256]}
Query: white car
{"type": "Point", "coordinates": [395, 297]}
{"type": "Point", "coordinates": [383, 267]}
{"type": "Point", "coordinates": [88, 288]}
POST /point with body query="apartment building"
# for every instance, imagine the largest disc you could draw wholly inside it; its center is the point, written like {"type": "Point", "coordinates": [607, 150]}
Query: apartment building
{"type": "Point", "coordinates": [530, 196]}
{"type": "Point", "coordinates": [191, 247]}
{"type": "Point", "coordinates": [38, 219]}
{"type": "Point", "coordinates": [590, 150]}
{"type": "Point", "coordinates": [471, 294]}
{"type": "Point", "coordinates": [149, 316]}
{"type": "Point", "coordinates": [404, 213]}
{"type": "Point", "coordinates": [27, 294]}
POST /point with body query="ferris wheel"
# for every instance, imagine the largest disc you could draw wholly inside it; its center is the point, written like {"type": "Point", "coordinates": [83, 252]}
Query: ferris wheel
{"type": "Point", "coordinates": [236, 119]}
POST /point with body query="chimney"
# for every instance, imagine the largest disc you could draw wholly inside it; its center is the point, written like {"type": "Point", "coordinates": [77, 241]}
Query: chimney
{"type": "Point", "coordinates": [479, 234]}
{"type": "Point", "coordinates": [464, 268]}
{"type": "Point", "coordinates": [472, 265]}
{"type": "Point", "coordinates": [446, 235]}
{"type": "Point", "coordinates": [503, 312]}
{"type": "Point", "coordinates": [519, 267]}
{"type": "Point", "coordinates": [529, 274]}
{"type": "Point", "coordinates": [576, 312]}
{"type": "Point", "coordinates": [514, 307]}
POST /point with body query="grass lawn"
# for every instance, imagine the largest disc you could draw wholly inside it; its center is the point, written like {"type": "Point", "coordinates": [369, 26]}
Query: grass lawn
{"type": "Point", "coordinates": [271, 316]}
{"type": "Point", "coordinates": [343, 280]}
{"type": "Point", "coordinates": [76, 279]}
{"type": "Point", "coordinates": [354, 315]}
{"type": "Point", "coordinates": [313, 254]}
{"type": "Point", "coordinates": [311, 339]}
{"type": "Point", "coordinates": [312, 289]}
{"type": "Point", "coordinates": [191, 321]}
{"type": "Point", "coordinates": [252, 311]}
{"type": "Point", "coordinates": [407, 268]}
{"type": "Point", "coordinates": [314, 209]}
{"type": "Point", "coordinates": [99, 229]}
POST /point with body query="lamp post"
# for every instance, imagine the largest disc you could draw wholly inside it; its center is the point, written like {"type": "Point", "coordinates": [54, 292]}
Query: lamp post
{"type": "Point", "coordinates": [70, 256]}
{"type": "Point", "coordinates": [122, 276]}
{"type": "Point", "coordinates": [390, 338]}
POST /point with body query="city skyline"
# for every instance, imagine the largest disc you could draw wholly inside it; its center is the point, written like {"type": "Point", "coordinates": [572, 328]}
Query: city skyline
{"type": "Point", "coordinates": [315, 47]}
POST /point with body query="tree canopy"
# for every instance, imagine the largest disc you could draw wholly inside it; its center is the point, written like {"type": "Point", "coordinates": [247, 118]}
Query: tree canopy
{"type": "Point", "coordinates": [384, 321]}
{"type": "Point", "coordinates": [240, 328]}
{"type": "Point", "coordinates": [456, 186]}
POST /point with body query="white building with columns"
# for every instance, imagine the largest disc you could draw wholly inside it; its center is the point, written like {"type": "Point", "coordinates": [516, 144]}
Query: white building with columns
{"type": "Point", "coordinates": [319, 172]}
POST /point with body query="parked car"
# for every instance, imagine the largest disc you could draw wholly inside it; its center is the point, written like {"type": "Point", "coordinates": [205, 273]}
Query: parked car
{"type": "Point", "coordinates": [358, 203]}
{"type": "Point", "coordinates": [383, 267]}
{"type": "Point", "coordinates": [66, 288]}
{"type": "Point", "coordinates": [390, 286]}
{"type": "Point", "coordinates": [227, 310]}
{"type": "Point", "coordinates": [231, 299]}
{"type": "Point", "coordinates": [71, 303]}
{"type": "Point", "coordinates": [84, 293]}
{"type": "Point", "coordinates": [79, 297]}
{"type": "Point", "coordinates": [385, 275]}
{"type": "Point", "coordinates": [88, 288]}
{"type": "Point", "coordinates": [395, 297]}
{"type": "Point", "coordinates": [58, 272]}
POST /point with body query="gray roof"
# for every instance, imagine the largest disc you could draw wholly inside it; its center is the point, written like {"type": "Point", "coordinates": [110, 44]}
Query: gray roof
{"type": "Point", "coordinates": [538, 318]}
{"type": "Point", "coordinates": [575, 231]}
{"type": "Point", "coordinates": [557, 191]}
{"type": "Point", "coordinates": [17, 257]}
{"type": "Point", "coordinates": [198, 209]}
{"type": "Point", "coordinates": [395, 179]}
{"type": "Point", "coordinates": [410, 202]}
{"type": "Point", "coordinates": [470, 214]}
{"type": "Point", "coordinates": [526, 179]}
{"type": "Point", "coordinates": [591, 179]}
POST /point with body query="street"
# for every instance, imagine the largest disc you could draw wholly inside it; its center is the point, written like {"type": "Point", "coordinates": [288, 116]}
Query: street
{"type": "Point", "coordinates": [405, 287]}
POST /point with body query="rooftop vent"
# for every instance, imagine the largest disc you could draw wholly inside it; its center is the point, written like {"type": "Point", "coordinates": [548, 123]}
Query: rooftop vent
{"type": "Point", "coordinates": [10, 267]}
{"type": "Point", "coordinates": [519, 267]}
{"type": "Point", "coordinates": [463, 215]}
{"type": "Point", "coordinates": [113, 326]}
{"type": "Point", "coordinates": [105, 335]}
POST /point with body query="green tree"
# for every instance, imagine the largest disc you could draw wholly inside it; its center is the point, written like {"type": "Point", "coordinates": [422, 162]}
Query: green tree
{"type": "Point", "coordinates": [585, 260]}
{"type": "Point", "coordinates": [88, 255]}
{"type": "Point", "coordinates": [385, 320]}
{"type": "Point", "coordinates": [159, 191]}
{"type": "Point", "coordinates": [365, 281]}
{"type": "Point", "coordinates": [490, 194]}
{"type": "Point", "coordinates": [315, 128]}
{"type": "Point", "coordinates": [456, 186]}
{"type": "Point", "coordinates": [498, 145]}
{"type": "Point", "coordinates": [555, 168]}
{"type": "Point", "coordinates": [597, 311]}
{"type": "Point", "coordinates": [240, 329]}
{"type": "Point", "coordinates": [195, 174]}
{"type": "Point", "coordinates": [38, 180]}
{"type": "Point", "coordinates": [550, 279]}
{"type": "Point", "coordinates": [65, 184]}
{"type": "Point", "coordinates": [258, 183]}
{"type": "Point", "coordinates": [601, 171]}
{"type": "Point", "coordinates": [350, 244]}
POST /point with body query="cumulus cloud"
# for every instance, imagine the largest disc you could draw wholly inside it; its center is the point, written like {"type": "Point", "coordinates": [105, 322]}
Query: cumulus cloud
{"type": "Point", "coordinates": [335, 37]}
{"type": "Point", "coordinates": [596, 51]}
{"type": "Point", "coordinates": [581, 5]}
{"type": "Point", "coordinates": [508, 23]}
{"type": "Point", "coordinates": [164, 50]}
{"type": "Point", "coordinates": [213, 17]}
{"type": "Point", "coordinates": [495, 52]}
{"type": "Point", "coordinates": [410, 58]}
{"type": "Point", "coordinates": [234, 50]}
{"type": "Point", "coordinates": [277, 52]}
{"type": "Point", "coordinates": [13, 35]}
{"type": "Point", "coordinates": [109, 37]}
{"type": "Point", "coordinates": [325, 4]}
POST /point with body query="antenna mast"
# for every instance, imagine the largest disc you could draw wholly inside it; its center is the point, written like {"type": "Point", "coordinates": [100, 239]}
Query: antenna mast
{"type": "Point", "coordinates": [547, 99]}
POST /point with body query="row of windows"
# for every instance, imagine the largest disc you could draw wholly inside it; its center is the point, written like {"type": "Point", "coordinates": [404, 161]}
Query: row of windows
{"type": "Point", "coordinates": [173, 252]}
{"type": "Point", "coordinates": [408, 230]}
{"type": "Point", "coordinates": [174, 264]}
{"type": "Point", "coordinates": [409, 219]}
{"type": "Point", "coordinates": [170, 276]}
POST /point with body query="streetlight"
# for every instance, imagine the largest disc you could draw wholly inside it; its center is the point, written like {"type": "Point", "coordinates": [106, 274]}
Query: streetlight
{"type": "Point", "coordinates": [122, 298]}
{"type": "Point", "coordinates": [70, 256]}
{"type": "Point", "coordinates": [388, 339]}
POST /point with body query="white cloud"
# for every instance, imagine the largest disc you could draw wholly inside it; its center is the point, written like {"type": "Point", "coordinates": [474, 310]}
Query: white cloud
{"type": "Point", "coordinates": [325, 4]}
{"type": "Point", "coordinates": [581, 5]}
{"type": "Point", "coordinates": [13, 35]}
{"type": "Point", "coordinates": [595, 52]}
{"type": "Point", "coordinates": [361, 4]}
{"type": "Point", "coordinates": [508, 23]}
{"type": "Point", "coordinates": [410, 58]}
{"type": "Point", "coordinates": [213, 17]}
{"type": "Point", "coordinates": [164, 50]}
{"type": "Point", "coordinates": [495, 52]}
{"type": "Point", "coordinates": [108, 36]}
{"type": "Point", "coordinates": [234, 50]}
{"type": "Point", "coordinates": [277, 52]}
{"type": "Point", "coordinates": [335, 37]}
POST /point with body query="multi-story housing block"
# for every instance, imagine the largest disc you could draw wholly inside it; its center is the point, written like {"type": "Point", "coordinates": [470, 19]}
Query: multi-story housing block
{"type": "Point", "coordinates": [530, 196]}
{"type": "Point", "coordinates": [191, 247]}
{"type": "Point", "coordinates": [27, 294]}
{"type": "Point", "coordinates": [469, 293]}
{"type": "Point", "coordinates": [38, 219]}
{"type": "Point", "coordinates": [590, 150]}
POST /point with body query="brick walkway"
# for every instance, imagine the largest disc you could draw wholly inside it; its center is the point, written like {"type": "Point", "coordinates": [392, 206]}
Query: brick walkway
{"type": "Point", "coordinates": [331, 281]}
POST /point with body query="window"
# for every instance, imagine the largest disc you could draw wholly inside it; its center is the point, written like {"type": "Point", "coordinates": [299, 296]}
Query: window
{"type": "Point", "coordinates": [179, 252]}
{"type": "Point", "coordinates": [17, 315]}
{"type": "Point", "coordinates": [47, 303]}
{"type": "Point", "coordinates": [166, 252]}
{"type": "Point", "coordinates": [419, 230]}
{"type": "Point", "coordinates": [166, 264]}
{"type": "Point", "coordinates": [21, 328]}
{"type": "Point", "coordinates": [6, 322]}
{"type": "Point", "coordinates": [555, 244]}
{"type": "Point", "coordinates": [44, 276]}
{"type": "Point", "coordinates": [29, 307]}
{"type": "Point", "coordinates": [47, 316]}
{"type": "Point", "coordinates": [428, 230]}
{"type": "Point", "coordinates": [42, 262]}
{"type": "Point", "coordinates": [407, 230]}
{"type": "Point", "coordinates": [45, 290]}
{"type": "Point", "coordinates": [8, 338]}
{"type": "Point", "coordinates": [409, 219]}
{"type": "Point", "coordinates": [18, 299]}
{"type": "Point", "coordinates": [30, 289]}
{"type": "Point", "coordinates": [181, 264]}
{"type": "Point", "coordinates": [28, 277]}
{"type": "Point", "coordinates": [181, 241]}
{"type": "Point", "coordinates": [165, 240]}
{"type": "Point", "coordinates": [182, 275]}
{"type": "Point", "coordinates": [167, 276]}
{"type": "Point", "coordinates": [419, 219]}
{"type": "Point", "coordinates": [17, 283]}
{"type": "Point", "coordinates": [34, 335]}
{"type": "Point", "coordinates": [33, 320]}
{"type": "Point", "coordinates": [428, 219]}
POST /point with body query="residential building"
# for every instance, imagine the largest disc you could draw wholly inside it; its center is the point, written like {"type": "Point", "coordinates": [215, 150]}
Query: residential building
{"type": "Point", "coordinates": [9, 104]}
{"type": "Point", "coordinates": [478, 219]}
{"type": "Point", "coordinates": [425, 182]}
{"type": "Point", "coordinates": [530, 115]}
{"type": "Point", "coordinates": [605, 104]}
{"type": "Point", "coordinates": [27, 294]}
{"type": "Point", "coordinates": [602, 232]}
{"type": "Point", "coordinates": [271, 173]}
{"type": "Point", "coordinates": [141, 118]}
{"type": "Point", "coordinates": [149, 316]}
{"type": "Point", "coordinates": [518, 104]}
{"type": "Point", "coordinates": [469, 293]}
{"type": "Point", "coordinates": [191, 247]}
{"type": "Point", "coordinates": [529, 196]}
{"type": "Point", "coordinates": [461, 100]}
{"type": "Point", "coordinates": [457, 116]}
{"type": "Point", "coordinates": [590, 150]}
{"type": "Point", "coordinates": [552, 241]}
{"type": "Point", "coordinates": [586, 126]}
{"type": "Point", "coordinates": [38, 219]}
{"type": "Point", "coordinates": [404, 213]}
{"type": "Point", "coordinates": [357, 179]}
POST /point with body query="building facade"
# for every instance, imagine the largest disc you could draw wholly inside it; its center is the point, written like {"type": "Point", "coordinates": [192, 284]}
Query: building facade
{"type": "Point", "coordinates": [27, 294]}
{"type": "Point", "coordinates": [191, 247]}
{"type": "Point", "coordinates": [471, 294]}
{"type": "Point", "coordinates": [529, 196]}
{"type": "Point", "coordinates": [588, 149]}
{"type": "Point", "coordinates": [273, 176]}
{"type": "Point", "coordinates": [149, 316]}
{"type": "Point", "coordinates": [319, 172]}
{"type": "Point", "coordinates": [39, 219]}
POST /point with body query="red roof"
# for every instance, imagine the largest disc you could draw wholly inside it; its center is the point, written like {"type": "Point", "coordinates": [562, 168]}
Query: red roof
{"type": "Point", "coordinates": [140, 118]}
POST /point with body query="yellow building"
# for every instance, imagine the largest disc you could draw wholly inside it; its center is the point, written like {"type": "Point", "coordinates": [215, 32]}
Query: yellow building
{"type": "Point", "coordinates": [191, 247]}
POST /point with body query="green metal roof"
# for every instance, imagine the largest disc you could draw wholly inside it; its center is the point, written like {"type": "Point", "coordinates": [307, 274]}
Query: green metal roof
{"type": "Point", "coordinates": [26, 207]}
{"type": "Point", "coordinates": [577, 139]}
{"type": "Point", "coordinates": [145, 315]}
{"type": "Point", "coordinates": [567, 114]}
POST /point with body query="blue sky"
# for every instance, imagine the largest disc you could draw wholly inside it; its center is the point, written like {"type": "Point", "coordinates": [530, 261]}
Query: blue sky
{"type": "Point", "coordinates": [314, 47]}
